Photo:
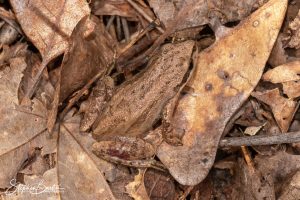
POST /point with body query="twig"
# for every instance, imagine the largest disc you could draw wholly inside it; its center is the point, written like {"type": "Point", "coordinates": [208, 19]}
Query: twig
{"type": "Point", "coordinates": [140, 34]}
{"type": "Point", "coordinates": [125, 29]}
{"type": "Point", "coordinates": [290, 137]}
{"type": "Point", "coordinates": [248, 159]}
{"type": "Point", "coordinates": [145, 15]}
{"type": "Point", "coordinates": [119, 32]}
{"type": "Point", "coordinates": [186, 192]}
{"type": "Point", "coordinates": [110, 22]}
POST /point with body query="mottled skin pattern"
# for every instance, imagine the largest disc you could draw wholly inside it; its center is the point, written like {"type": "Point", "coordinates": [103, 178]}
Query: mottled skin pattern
{"type": "Point", "coordinates": [138, 103]}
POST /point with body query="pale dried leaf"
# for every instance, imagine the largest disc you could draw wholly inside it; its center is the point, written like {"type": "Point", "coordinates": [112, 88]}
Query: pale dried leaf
{"type": "Point", "coordinates": [77, 172]}
{"type": "Point", "coordinates": [253, 130]}
{"type": "Point", "coordinates": [48, 24]}
{"type": "Point", "coordinates": [283, 109]}
{"type": "Point", "coordinates": [136, 189]}
{"type": "Point", "coordinates": [283, 73]}
{"type": "Point", "coordinates": [291, 89]}
{"type": "Point", "coordinates": [20, 127]}
{"type": "Point", "coordinates": [72, 124]}
{"type": "Point", "coordinates": [225, 75]}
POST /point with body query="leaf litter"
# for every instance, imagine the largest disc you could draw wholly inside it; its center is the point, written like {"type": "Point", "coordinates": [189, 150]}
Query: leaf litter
{"type": "Point", "coordinates": [146, 99]}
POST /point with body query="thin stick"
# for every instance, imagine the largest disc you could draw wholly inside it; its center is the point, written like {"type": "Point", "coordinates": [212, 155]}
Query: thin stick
{"type": "Point", "coordinates": [145, 15]}
{"type": "Point", "coordinates": [119, 32]}
{"type": "Point", "coordinates": [140, 34]}
{"type": "Point", "coordinates": [110, 22]}
{"type": "Point", "coordinates": [290, 137]}
{"type": "Point", "coordinates": [125, 29]}
{"type": "Point", "coordinates": [248, 158]}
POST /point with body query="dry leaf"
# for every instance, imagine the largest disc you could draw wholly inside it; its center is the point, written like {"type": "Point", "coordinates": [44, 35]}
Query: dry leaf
{"type": "Point", "coordinates": [292, 190]}
{"type": "Point", "coordinates": [48, 24]}
{"type": "Point", "coordinates": [21, 127]}
{"type": "Point", "coordinates": [86, 141]}
{"type": "Point", "coordinates": [295, 32]}
{"type": "Point", "coordinates": [136, 189]}
{"type": "Point", "coordinates": [283, 73]}
{"type": "Point", "coordinates": [91, 51]}
{"type": "Point", "coordinates": [76, 174]}
{"type": "Point", "coordinates": [202, 11]}
{"type": "Point", "coordinates": [160, 185]}
{"type": "Point", "coordinates": [114, 7]}
{"type": "Point", "coordinates": [85, 180]}
{"type": "Point", "coordinates": [278, 55]}
{"type": "Point", "coordinates": [225, 75]}
{"type": "Point", "coordinates": [283, 109]}
{"type": "Point", "coordinates": [291, 89]}
{"type": "Point", "coordinates": [16, 50]}
{"type": "Point", "coordinates": [253, 130]}
{"type": "Point", "coordinates": [254, 184]}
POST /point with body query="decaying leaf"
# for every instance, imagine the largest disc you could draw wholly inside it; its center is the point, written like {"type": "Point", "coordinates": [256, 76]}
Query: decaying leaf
{"type": "Point", "coordinates": [136, 189]}
{"type": "Point", "coordinates": [283, 73]}
{"type": "Point", "coordinates": [202, 11]}
{"type": "Point", "coordinates": [252, 130]}
{"type": "Point", "coordinates": [295, 32]}
{"type": "Point", "coordinates": [85, 180]}
{"type": "Point", "coordinates": [21, 127]}
{"type": "Point", "coordinates": [225, 75]}
{"type": "Point", "coordinates": [48, 24]}
{"type": "Point", "coordinates": [159, 185]}
{"type": "Point", "coordinates": [292, 190]}
{"type": "Point", "coordinates": [114, 7]}
{"type": "Point", "coordinates": [91, 51]}
{"type": "Point", "coordinates": [283, 109]}
{"type": "Point", "coordinates": [16, 50]}
{"type": "Point", "coordinates": [77, 173]}
{"type": "Point", "coordinates": [137, 103]}
{"type": "Point", "coordinates": [291, 89]}
{"type": "Point", "coordinates": [278, 55]}
{"type": "Point", "coordinates": [254, 184]}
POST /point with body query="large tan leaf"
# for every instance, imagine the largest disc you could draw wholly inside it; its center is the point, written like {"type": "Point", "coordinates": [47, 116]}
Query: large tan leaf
{"type": "Point", "coordinates": [77, 172]}
{"type": "Point", "coordinates": [20, 127]}
{"type": "Point", "coordinates": [224, 77]}
{"type": "Point", "coordinates": [48, 24]}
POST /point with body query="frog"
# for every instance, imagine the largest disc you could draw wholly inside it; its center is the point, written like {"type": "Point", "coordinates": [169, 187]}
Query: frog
{"type": "Point", "coordinates": [140, 102]}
